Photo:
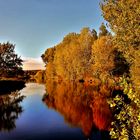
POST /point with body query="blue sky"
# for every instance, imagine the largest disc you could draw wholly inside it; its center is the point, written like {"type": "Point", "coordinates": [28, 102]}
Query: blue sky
{"type": "Point", "coordinates": [35, 25]}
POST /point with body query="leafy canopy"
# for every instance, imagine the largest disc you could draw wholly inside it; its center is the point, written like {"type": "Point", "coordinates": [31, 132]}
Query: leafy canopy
{"type": "Point", "coordinates": [10, 62]}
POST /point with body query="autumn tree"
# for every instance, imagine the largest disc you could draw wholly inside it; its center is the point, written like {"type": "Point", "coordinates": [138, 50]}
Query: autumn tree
{"type": "Point", "coordinates": [40, 76]}
{"type": "Point", "coordinates": [70, 58]}
{"type": "Point", "coordinates": [123, 18]}
{"type": "Point", "coordinates": [48, 56]}
{"type": "Point", "coordinates": [65, 59]}
{"type": "Point", "coordinates": [87, 38]}
{"type": "Point", "coordinates": [102, 57]}
{"type": "Point", "coordinates": [10, 62]}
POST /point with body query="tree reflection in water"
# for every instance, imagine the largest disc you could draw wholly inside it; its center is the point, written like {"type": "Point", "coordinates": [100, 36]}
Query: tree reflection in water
{"type": "Point", "coordinates": [78, 104]}
{"type": "Point", "coordinates": [10, 109]}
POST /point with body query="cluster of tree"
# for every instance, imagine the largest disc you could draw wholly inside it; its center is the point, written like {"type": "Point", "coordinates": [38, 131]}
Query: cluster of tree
{"type": "Point", "coordinates": [10, 62]}
{"type": "Point", "coordinates": [78, 54]}
{"type": "Point", "coordinates": [105, 57]}
{"type": "Point", "coordinates": [65, 58]}
{"type": "Point", "coordinates": [86, 53]}
{"type": "Point", "coordinates": [123, 18]}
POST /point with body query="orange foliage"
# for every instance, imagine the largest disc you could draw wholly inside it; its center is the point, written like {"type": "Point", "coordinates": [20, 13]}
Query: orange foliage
{"type": "Point", "coordinates": [105, 90]}
{"type": "Point", "coordinates": [101, 113]}
{"type": "Point", "coordinates": [71, 100]}
{"type": "Point", "coordinates": [71, 58]}
{"type": "Point", "coordinates": [102, 57]}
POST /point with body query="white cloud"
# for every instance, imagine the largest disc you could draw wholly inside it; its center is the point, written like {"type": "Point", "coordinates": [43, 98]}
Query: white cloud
{"type": "Point", "coordinates": [32, 63]}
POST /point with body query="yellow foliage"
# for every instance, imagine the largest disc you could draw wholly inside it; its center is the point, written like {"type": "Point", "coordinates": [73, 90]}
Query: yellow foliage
{"type": "Point", "coordinates": [70, 59]}
{"type": "Point", "coordinates": [102, 56]}
{"type": "Point", "coordinates": [40, 76]}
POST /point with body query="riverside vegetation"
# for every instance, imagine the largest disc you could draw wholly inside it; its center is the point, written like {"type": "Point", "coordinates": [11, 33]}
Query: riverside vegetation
{"type": "Point", "coordinates": [11, 72]}
{"type": "Point", "coordinates": [107, 63]}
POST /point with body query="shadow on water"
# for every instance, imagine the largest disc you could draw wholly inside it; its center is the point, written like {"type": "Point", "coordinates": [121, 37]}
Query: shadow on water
{"type": "Point", "coordinates": [74, 102]}
{"type": "Point", "coordinates": [10, 109]}
{"type": "Point", "coordinates": [7, 86]}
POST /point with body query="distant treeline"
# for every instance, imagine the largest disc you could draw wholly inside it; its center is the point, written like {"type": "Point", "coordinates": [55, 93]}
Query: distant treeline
{"type": "Point", "coordinates": [30, 72]}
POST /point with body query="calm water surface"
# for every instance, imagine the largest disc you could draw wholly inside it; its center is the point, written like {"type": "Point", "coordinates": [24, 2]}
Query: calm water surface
{"type": "Point", "coordinates": [24, 116]}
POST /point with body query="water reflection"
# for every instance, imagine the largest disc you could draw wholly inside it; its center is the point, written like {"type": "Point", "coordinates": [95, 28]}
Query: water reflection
{"type": "Point", "coordinates": [7, 86]}
{"type": "Point", "coordinates": [80, 106]}
{"type": "Point", "coordinates": [10, 109]}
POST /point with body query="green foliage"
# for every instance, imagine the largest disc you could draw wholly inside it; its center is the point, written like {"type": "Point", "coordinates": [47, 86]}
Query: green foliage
{"type": "Point", "coordinates": [10, 63]}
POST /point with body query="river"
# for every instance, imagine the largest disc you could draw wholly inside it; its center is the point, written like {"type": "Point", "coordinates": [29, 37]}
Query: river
{"type": "Point", "coordinates": [25, 115]}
